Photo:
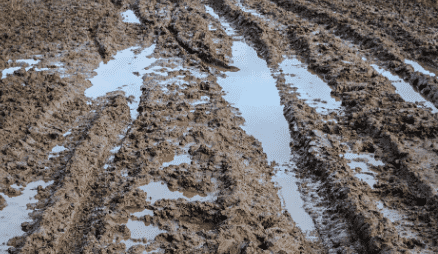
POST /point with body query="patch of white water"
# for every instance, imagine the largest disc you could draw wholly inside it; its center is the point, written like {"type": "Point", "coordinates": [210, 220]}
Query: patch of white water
{"type": "Point", "coordinates": [15, 213]}
{"type": "Point", "coordinates": [419, 68]}
{"type": "Point", "coordinates": [143, 213]}
{"type": "Point", "coordinates": [361, 160]}
{"type": "Point", "coordinates": [253, 91]}
{"type": "Point", "coordinates": [67, 133]}
{"type": "Point", "coordinates": [7, 71]}
{"type": "Point", "coordinates": [56, 150]}
{"type": "Point", "coordinates": [399, 219]}
{"type": "Point", "coordinates": [178, 159]}
{"type": "Point", "coordinates": [156, 191]}
{"type": "Point", "coordinates": [118, 74]}
{"type": "Point", "coordinates": [311, 88]}
{"type": "Point", "coordinates": [243, 8]}
{"type": "Point", "coordinates": [292, 200]}
{"type": "Point", "coordinates": [30, 62]}
{"type": "Point", "coordinates": [225, 25]}
{"type": "Point", "coordinates": [204, 99]}
{"type": "Point", "coordinates": [403, 88]}
{"type": "Point", "coordinates": [129, 16]}
{"type": "Point", "coordinates": [139, 230]}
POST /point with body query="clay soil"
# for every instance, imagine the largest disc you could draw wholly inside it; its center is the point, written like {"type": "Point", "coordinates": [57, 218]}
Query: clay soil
{"type": "Point", "coordinates": [95, 191]}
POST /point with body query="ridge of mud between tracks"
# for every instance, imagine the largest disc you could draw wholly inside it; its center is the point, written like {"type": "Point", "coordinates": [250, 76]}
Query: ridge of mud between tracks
{"type": "Point", "coordinates": [85, 209]}
{"type": "Point", "coordinates": [376, 43]}
{"type": "Point", "coordinates": [57, 225]}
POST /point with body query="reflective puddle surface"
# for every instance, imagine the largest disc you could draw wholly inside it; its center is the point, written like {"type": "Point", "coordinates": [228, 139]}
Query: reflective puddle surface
{"type": "Point", "coordinates": [403, 88]}
{"type": "Point", "coordinates": [311, 88]}
{"type": "Point", "coordinates": [119, 74]}
{"type": "Point", "coordinates": [253, 91]}
{"type": "Point", "coordinates": [15, 213]}
{"type": "Point", "coordinates": [362, 161]}
{"type": "Point", "coordinates": [129, 16]}
{"type": "Point", "coordinates": [419, 68]}
{"type": "Point", "coordinates": [156, 191]}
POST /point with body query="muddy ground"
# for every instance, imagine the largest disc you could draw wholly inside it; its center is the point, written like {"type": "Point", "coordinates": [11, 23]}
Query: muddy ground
{"type": "Point", "coordinates": [166, 165]}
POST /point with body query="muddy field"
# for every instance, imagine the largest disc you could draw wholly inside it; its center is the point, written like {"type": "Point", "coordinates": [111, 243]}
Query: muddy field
{"type": "Point", "coordinates": [218, 126]}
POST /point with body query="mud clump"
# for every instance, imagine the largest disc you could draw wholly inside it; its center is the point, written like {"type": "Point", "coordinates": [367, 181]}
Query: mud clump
{"type": "Point", "coordinates": [181, 174]}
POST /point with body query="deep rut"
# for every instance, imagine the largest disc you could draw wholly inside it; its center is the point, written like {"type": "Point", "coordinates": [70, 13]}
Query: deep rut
{"type": "Point", "coordinates": [167, 164]}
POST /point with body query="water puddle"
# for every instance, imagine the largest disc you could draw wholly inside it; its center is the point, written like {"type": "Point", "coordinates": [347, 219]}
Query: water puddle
{"type": "Point", "coordinates": [250, 11]}
{"type": "Point", "coordinates": [225, 25]}
{"type": "Point", "coordinates": [311, 88]}
{"type": "Point", "coordinates": [177, 160]}
{"type": "Point", "coordinates": [31, 62]}
{"type": "Point", "coordinates": [67, 133]}
{"type": "Point", "coordinates": [419, 68]}
{"type": "Point", "coordinates": [291, 200]}
{"type": "Point", "coordinates": [253, 91]}
{"type": "Point", "coordinates": [144, 213]}
{"type": "Point", "coordinates": [129, 17]}
{"type": "Point", "coordinates": [15, 213]}
{"type": "Point", "coordinates": [204, 99]}
{"type": "Point", "coordinates": [362, 161]}
{"type": "Point", "coordinates": [118, 74]}
{"type": "Point", "coordinates": [139, 230]}
{"type": "Point", "coordinates": [56, 150]}
{"type": "Point", "coordinates": [400, 221]}
{"type": "Point", "coordinates": [403, 88]}
{"type": "Point", "coordinates": [156, 191]}
{"type": "Point", "coordinates": [10, 71]}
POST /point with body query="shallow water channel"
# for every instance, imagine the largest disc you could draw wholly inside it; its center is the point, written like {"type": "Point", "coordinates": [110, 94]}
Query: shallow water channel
{"type": "Point", "coordinates": [404, 89]}
{"type": "Point", "coordinates": [252, 90]}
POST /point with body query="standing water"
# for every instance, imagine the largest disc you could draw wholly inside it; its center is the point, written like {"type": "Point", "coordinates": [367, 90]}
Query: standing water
{"type": "Point", "coordinates": [119, 74]}
{"type": "Point", "coordinates": [403, 88]}
{"type": "Point", "coordinates": [15, 213]}
{"type": "Point", "coordinates": [253, 91]}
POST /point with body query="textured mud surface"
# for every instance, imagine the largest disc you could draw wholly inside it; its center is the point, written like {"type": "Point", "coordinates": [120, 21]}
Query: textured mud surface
{"type": "Point", "coordinates": [134, 126]}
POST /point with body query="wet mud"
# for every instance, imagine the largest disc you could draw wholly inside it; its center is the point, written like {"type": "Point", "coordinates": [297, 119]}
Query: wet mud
{"type": "Point", "coordinates": [218, 126]}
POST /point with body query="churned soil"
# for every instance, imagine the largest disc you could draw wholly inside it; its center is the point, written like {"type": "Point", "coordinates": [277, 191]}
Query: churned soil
{"type": "Point", "coordinates": [106, 163]}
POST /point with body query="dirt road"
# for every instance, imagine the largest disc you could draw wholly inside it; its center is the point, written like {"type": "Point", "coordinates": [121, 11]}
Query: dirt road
{"type": "Point", "coordinates": [218, 126]}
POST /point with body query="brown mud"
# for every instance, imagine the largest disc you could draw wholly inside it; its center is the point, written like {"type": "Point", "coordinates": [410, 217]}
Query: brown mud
{"type": "Point", "coordinates": [186, 136]}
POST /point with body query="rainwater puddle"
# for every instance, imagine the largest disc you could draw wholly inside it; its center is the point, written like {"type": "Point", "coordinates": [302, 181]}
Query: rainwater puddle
{"type": "Point", "coordinates": [204, 99]}
{"type": "Point", "coordinates": [156, 191]}
{"type": "Point", "coordinates": [225, 25]}
{"type": "Point", "coordinates": [7, 71]}
{"type": "Point", "coordinates": [419, 68]}
{"type": "Point", "coordinates": [115, 149]}
{"type": "Point", "coordinates": [56, 150]}
{"type": "Point", "coordinates": [405, 90]}
{"type": "Point", "coordinates": [178, 159]}
{"type": "Point", "coordinates": [253, 91]}
{"type": "Point", "coordinates": [129, 16]}
{"type": "Point", "coordinates": [361, 160]}
{"type": "Point", "coordinates": [401, 224]}
{"type": "Point", "coordinates": [140, 231]}
{"type": "Point", "coordinates": [311, 88]}
{"type": "Point", "coordinates": [243, 8]}
{"type": "Point", "coordinates": [30, 62]}
{"type": "Point", "coordinates": [118, 74]}
{"type": "Point", "coordinates": [291, 200]}
{"type": "Point", "coordinates": [143, 213]}
{"type": "Point", "coordinates": [16, 213]}
{"type": "Point", "coordinates": [67, 133]}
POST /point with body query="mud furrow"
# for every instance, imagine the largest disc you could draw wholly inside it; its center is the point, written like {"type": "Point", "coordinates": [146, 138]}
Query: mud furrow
{"type": "Point", "coordinates": [152, 150]}
{"type": "Point", "coordinates": [55, 226]}
{"type": "Point", "coordinates": [378, 46]}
